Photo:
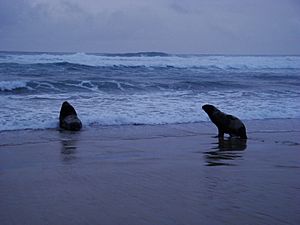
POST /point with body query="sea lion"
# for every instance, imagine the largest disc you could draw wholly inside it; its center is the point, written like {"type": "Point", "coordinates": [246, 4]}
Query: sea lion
{"type": "Point", "coordinates": [68, 119]}
{"type": "Point", "coordinates": [225, 123]}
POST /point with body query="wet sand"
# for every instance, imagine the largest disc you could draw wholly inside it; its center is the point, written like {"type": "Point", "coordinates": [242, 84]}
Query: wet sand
{"type": "Point", "coordinates": [168, 174]}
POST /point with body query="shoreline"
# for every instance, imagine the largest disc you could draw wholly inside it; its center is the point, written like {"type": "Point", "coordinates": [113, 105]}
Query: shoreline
{"type": "Point", "coordinates": [151, 174]}
{"type": "Point", "coordinates": [253, 126]}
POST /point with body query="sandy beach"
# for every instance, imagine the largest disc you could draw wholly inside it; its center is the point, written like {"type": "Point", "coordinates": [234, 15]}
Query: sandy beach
{"type": "Point", "coordinates": [167, 174]}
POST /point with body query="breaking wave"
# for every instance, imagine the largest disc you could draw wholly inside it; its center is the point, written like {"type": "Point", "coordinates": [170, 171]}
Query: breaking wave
{"type": "Point", "coordinates": [13, 85]}
{"type": "Point", "coordinates": [154, 59]}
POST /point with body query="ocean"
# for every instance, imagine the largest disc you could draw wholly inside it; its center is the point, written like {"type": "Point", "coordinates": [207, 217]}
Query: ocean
{"type": "Point", "coordinates": [144, 88]}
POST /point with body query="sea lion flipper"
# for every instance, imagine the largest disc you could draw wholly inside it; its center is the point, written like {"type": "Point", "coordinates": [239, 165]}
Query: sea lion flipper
{"type": "Point", "coordinates": [242, 132]}
{"type": "Point", "coordinates": [220, 133]}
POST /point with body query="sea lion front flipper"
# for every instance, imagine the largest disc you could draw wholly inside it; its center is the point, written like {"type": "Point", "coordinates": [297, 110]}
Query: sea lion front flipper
{"type": "Point", "coordinates": [220, 133]}
{"type": "Point", "coordinates": [71, 122]}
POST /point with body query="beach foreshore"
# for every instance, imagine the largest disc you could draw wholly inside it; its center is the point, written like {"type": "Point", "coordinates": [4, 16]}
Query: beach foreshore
{"type": "Point", "coordinates": [162, 174]}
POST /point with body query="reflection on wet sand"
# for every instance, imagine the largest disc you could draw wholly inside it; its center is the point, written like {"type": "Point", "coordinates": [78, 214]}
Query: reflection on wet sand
{"type": "Point", "coordinates": [69, 146]}
{"type": "Point", "coordinates": [225, 151]}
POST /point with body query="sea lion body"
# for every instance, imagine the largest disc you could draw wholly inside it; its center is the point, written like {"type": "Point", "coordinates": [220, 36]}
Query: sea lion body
{"type": "Point", "coordinates": [226, 124]}
{"type": "Point", "coordinates": [68, 118]}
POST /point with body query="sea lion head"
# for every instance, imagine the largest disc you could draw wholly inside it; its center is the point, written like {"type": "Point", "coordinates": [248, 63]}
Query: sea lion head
{"type": "Point", "coordinates": [209, 109]}
{"type": "Point", "coordinates": [67, 109]}
{"type": "Point", "coordinates": [66, 105]}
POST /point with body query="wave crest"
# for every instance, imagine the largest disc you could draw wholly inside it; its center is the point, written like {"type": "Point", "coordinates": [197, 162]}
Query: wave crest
{"type": "Point", "coordinates": [12, 85]}
{"type": "Point", "coordinates": [157, 59]}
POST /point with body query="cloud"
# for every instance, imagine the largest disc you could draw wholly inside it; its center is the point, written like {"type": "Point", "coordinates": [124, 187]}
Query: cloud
{"type": "Point", "coordinates": [192, 26]}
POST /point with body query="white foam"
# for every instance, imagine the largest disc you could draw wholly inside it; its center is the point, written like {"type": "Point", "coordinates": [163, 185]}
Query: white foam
{"type": "Point", "coordinates": [12, 85]}
{"type": "Point", "coordinates": [42, 111]}
{"type": "Point", "coordinates": [180, 61]}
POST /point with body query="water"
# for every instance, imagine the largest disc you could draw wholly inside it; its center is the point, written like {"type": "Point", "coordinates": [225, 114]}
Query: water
{"type": "Point", "coordinates": [144, 88]}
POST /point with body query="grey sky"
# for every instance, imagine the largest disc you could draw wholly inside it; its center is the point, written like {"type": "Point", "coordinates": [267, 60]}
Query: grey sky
{"type": "Point", "coordinates": [174, 26]}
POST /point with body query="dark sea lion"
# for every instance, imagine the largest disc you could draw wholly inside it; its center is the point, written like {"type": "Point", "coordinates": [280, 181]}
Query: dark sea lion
{"type": "Point", "coordinates": [225, 123]}
{"type": "Point", "coordinates": [68, 119]}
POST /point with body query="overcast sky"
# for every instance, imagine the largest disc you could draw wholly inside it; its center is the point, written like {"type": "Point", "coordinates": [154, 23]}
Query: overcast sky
{"type": "Point", "coordinates": [173, 26]}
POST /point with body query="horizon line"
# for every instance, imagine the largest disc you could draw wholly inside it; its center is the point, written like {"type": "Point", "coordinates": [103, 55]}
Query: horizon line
{"type": "Point", "coordinates": [152, 52]}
